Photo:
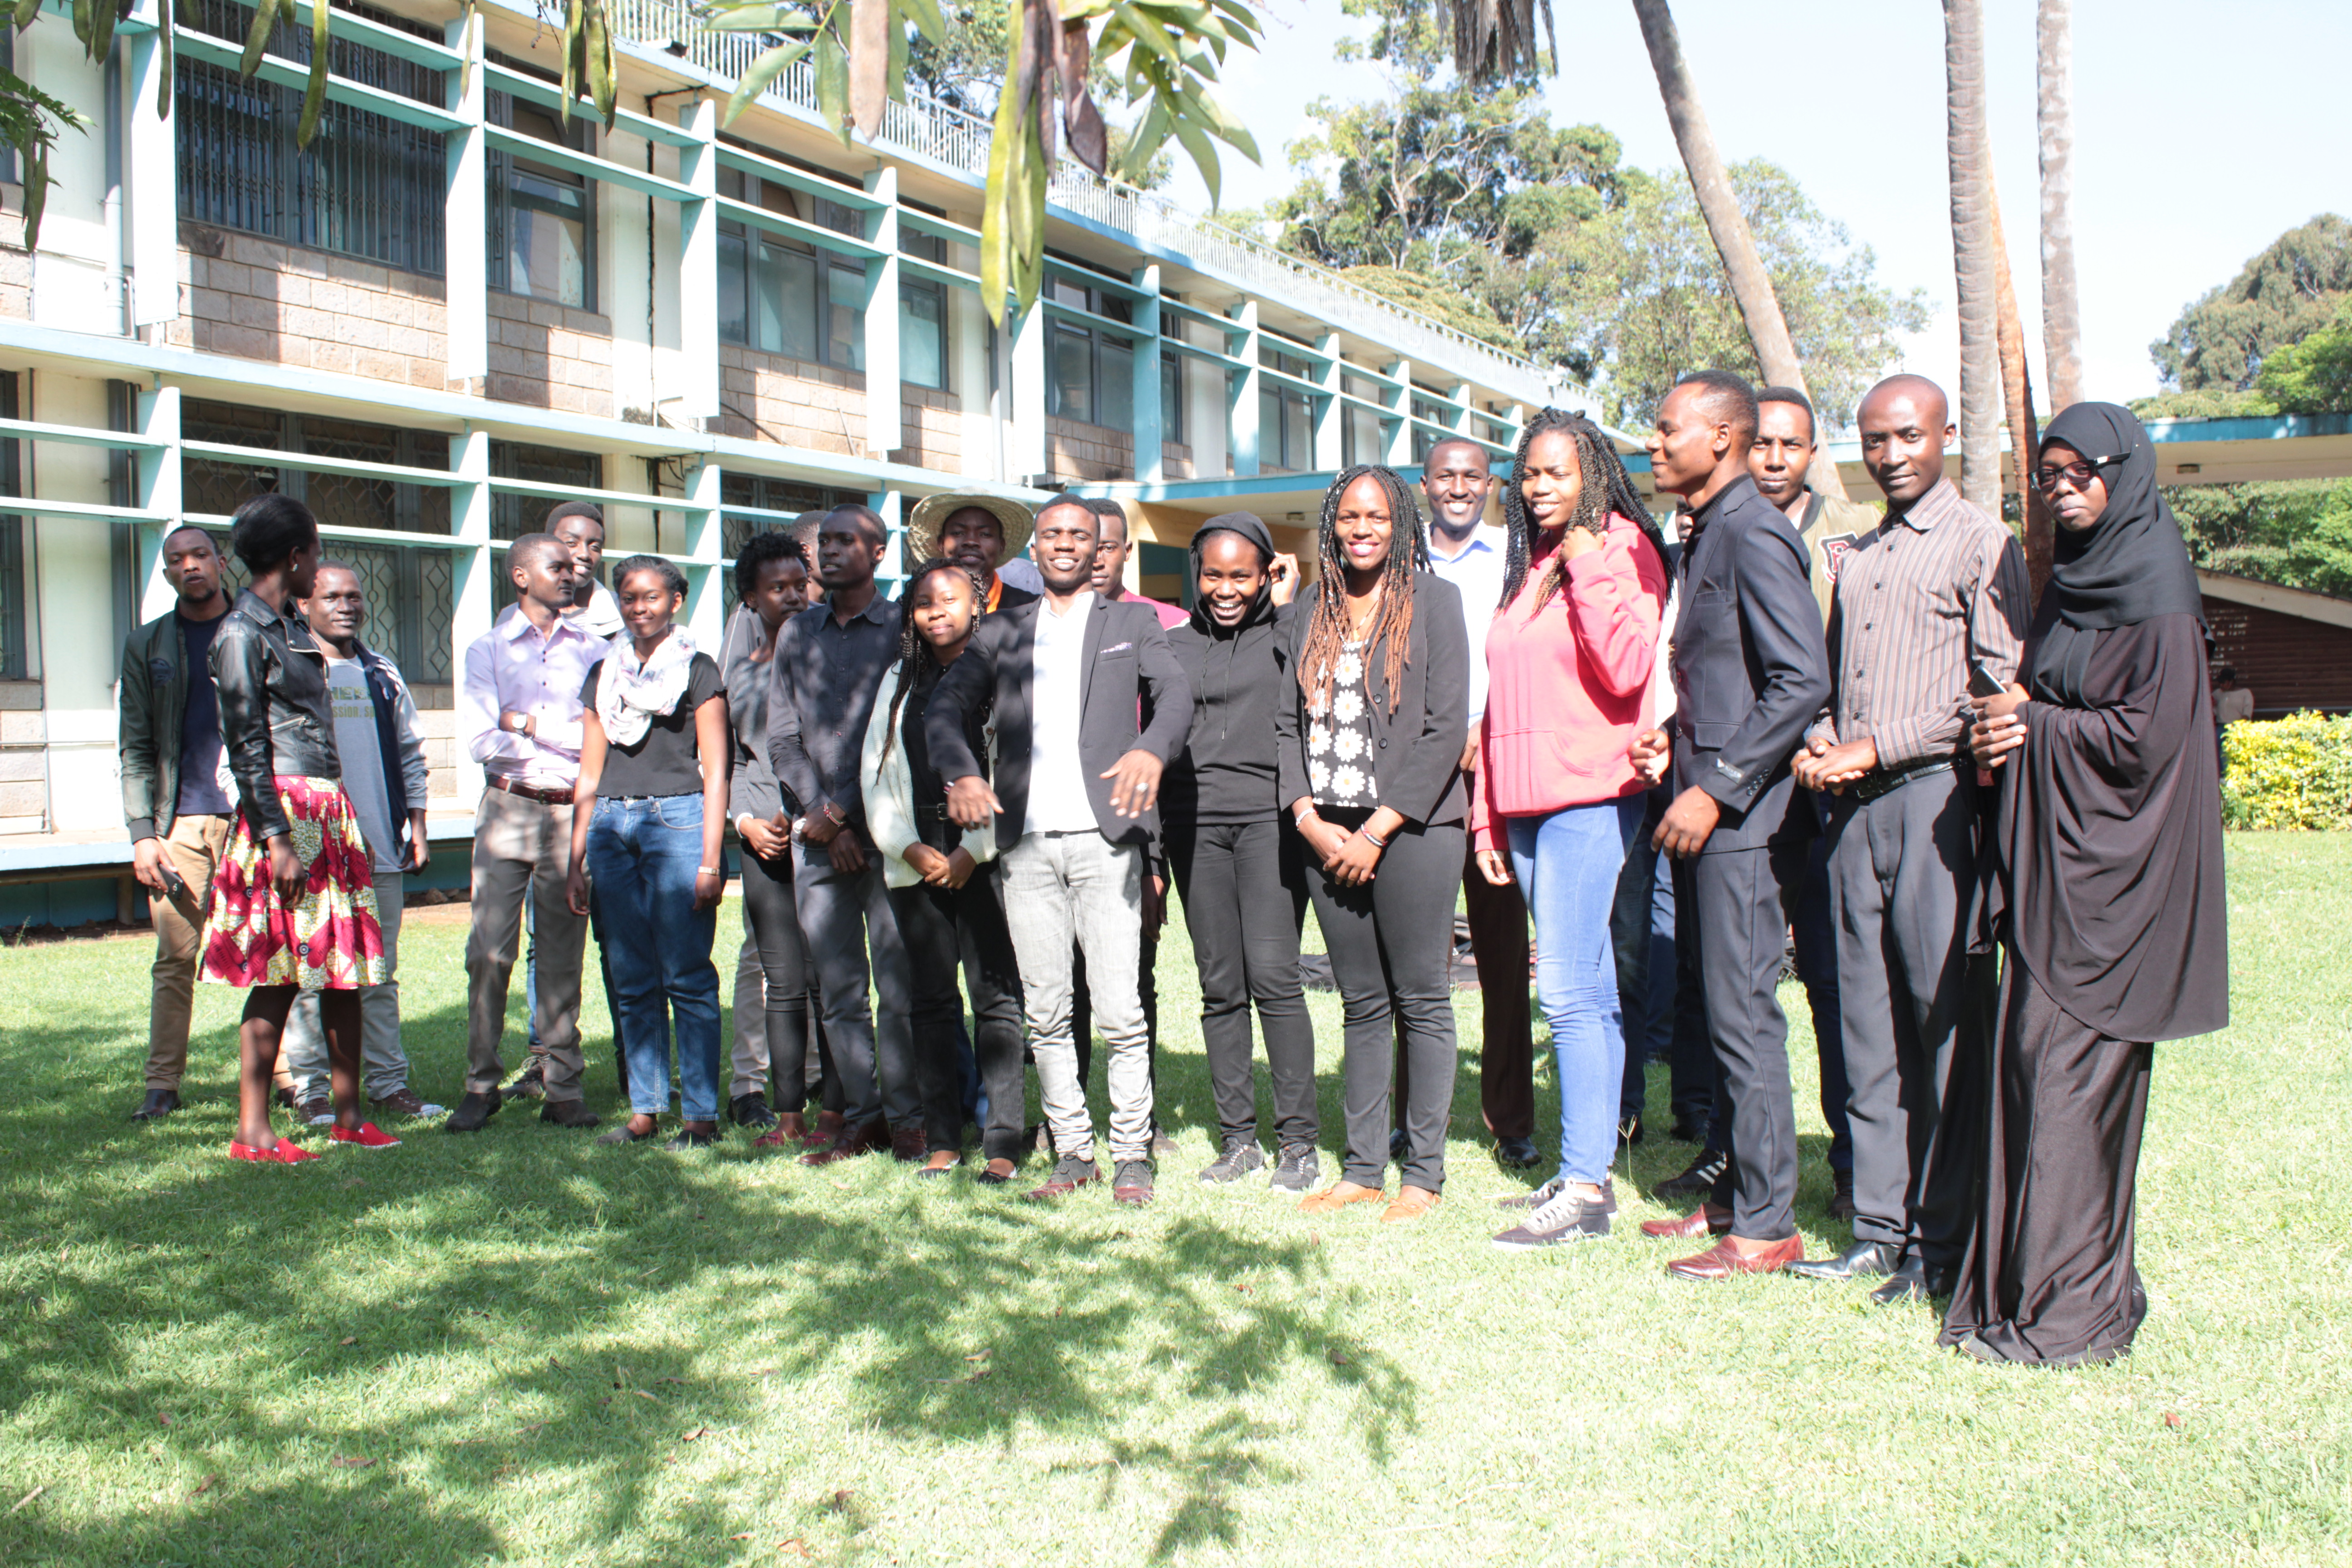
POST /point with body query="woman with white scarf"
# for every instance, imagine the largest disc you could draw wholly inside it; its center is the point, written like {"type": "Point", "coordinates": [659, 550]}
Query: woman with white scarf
{"type": "Point", "coordinates": [648, 818]}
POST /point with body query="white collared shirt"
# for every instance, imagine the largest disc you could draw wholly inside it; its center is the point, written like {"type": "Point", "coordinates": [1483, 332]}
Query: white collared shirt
{"type": "Point", "coordinates": [1479, 573]}
{"type": "Point", "coordinates": [515, 668]}
{"type": "Point", "coordinates": [1057, 779]}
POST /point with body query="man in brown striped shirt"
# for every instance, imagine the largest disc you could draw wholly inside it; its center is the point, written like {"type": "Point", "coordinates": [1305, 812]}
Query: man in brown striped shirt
{"type": "Point", "coordinates": [1938, 586]}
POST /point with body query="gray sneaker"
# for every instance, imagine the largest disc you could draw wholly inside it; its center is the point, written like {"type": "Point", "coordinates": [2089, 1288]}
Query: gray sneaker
{"type": "Point", "coordinates": [1298, 1170]}
{"type": "Point", "coordinates": [1240, 1157]}
{"type": "Point", "coordinates": [1552, 1190]}
{"type": "Point", "coordinates": [1130, 1183]}
{"type": "Point", "coordinates": [1565, 1216]}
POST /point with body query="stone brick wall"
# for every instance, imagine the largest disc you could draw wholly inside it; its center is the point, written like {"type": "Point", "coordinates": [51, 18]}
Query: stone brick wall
{"type": "Point", "coordinates": [550, 356]}
{"type": "Point", "coordinates": [23, 771]}
{"type": "Point", "coordinates": [436, 726]}
{"type": "Point", "coordinates": [265, 300]}
{"type": "Point", "coordinates": [773, 397]}
{"type": "Point", "coordinates": [1176, 461]}
{"type": "Point", "coordinates": [932, 424]}
{"type": "Point", "coordinates": [1076, 451]}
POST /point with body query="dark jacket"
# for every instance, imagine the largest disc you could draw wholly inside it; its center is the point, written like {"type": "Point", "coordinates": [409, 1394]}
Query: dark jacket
{"type": "Point", "coordinates": [276, 719]}
{"type": "Point", "coordinates": [1133, 696]}
{"type": "Point", "coordinates": [404, 770]}
{"type": "Point", "coordinates": [150, 712]}
{"type": "Point", "coordinates": [1416, 747]}
{"type": "Point", "coordinates": [1228, 770]}
{"type": "Point", "coordinates": [1749, 668]}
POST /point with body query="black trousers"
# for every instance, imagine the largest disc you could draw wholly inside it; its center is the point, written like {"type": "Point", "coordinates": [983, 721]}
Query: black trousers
{"type": "Point", "coordinates": [1497, 918]}
{"type": "Point", "coordinates": [1743, 899]}
{"type": "Point", "coordinates": [946, 929]}
{"type": "Point", "coordinates": [1392, 947]}
{"type": "Point", "coordinates": [1245, 891]}
{"type": "Point", "coordinates": [1902, 872]}
{"type": "Point", "coordinates": [787, 980]}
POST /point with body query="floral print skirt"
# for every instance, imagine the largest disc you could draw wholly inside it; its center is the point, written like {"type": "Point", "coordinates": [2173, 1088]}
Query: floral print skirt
{"type": "Point", "coordinates": [330, 940]}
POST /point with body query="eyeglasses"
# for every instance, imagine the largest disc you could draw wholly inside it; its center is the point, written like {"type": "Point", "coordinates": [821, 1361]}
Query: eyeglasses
{"type": "Point", "coordinates": [2079, 475]}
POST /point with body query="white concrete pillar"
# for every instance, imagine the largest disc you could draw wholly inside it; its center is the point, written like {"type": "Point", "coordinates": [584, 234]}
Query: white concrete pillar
{"type": "Point", "coordinates": [1025, 390]}
{"type": "Point", "coordinates": [706, 579]}
{"type": "Point", "coordinates": [1400, 434]}
{"type": "Point", "coordinates": [480, 579]}
{"type": "Point", "coordinates": [465, 227]}
{"type": "Point", "coordinates": [883, 432]}
{"type": "Point", "coordinates": [152, 206]}
{"type": "Point", "coordinates": [159, 491]}
{"type": "Point", "coordinates": [1245, 388]}
{"type": "Point", "coordinates": [1331, 420]}
{"type": "Point", "coordinates": [697, 263]}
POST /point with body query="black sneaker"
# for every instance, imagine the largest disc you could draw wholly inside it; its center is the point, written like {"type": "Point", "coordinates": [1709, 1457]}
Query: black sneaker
{"type": "Point", "coordinates": [1240, 1157]}
{"type": "Point", "coordinates": [529, 1084]}
{"type": "Point", "coordinates": [1699, 1178]}
{"type": "Point", "coordinates": [1130, 1183]}
{"type": "Point", "coordinates": [1397, 1148]}
{"type": "Point", "coordinates": [751, 1111]}
{"type": "Point", "coordinates": [1297, 1170]}
{"type": "Point", "coordinates": [1565, 1216]}
{"type": "Point", "coordinates": [473, 1111]}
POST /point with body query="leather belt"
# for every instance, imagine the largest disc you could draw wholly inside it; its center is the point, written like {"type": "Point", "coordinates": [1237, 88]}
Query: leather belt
{"type": "Point", "coordinates": [1885, 781]}
{"type": "Point", "coordinates": [529, 792]}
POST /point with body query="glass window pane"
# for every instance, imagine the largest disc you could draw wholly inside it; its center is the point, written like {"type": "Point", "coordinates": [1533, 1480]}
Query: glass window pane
{"type": "Point", "coordinates": [923, 334]}
{"type": "Point", "coordinates": [1071, 393]}
{"type": "Point", "coordinates": [786, 301]}
{"type": "Point", "coordinates": [1172, 397]}
{"type": "Point", "coordinates": [1269, 428]}
{"type": "Point", "coordinates": [734, 289]}
{"type": "Point", "coordinates": [846, 290]}
{"type": "Point", "coordinates": [1115, 385]}
{"type": "Point", "coordinates": [1298, 432]}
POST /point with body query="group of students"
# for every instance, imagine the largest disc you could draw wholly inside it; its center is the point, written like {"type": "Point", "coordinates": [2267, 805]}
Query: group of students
{"type": "Point", "coordinates": [1802, 712]}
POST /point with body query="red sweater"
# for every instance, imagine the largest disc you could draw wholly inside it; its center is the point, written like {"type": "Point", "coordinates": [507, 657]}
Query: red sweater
{"type": "Point", "coordinates": [1568, 685]}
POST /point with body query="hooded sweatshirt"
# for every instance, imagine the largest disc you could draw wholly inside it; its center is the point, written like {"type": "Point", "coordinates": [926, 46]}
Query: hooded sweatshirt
{"type": "Point", "coordinates": [1225, 774]}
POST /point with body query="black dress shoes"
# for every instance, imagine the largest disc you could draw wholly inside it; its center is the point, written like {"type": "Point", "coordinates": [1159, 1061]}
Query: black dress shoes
{"type": "Point", "coordinates": [1914, 1281]}
{"type": "Point", "coordinates": [1862, 1260]}
{"type": "Point", "coordinates": [1517, 1153]}
{"type": "Point", "coordinates": [160, 1103]}
{"type": "Point", "coordinates": [473, 1111]}
{"type": "Point", "coordinates": [568, 1113]}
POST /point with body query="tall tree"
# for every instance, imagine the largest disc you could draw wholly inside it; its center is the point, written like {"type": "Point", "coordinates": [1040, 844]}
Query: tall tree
{"type": "Point", "coordinates": [2278, 298]}
{"type": "Point", "coordinates": [1752, 285]}
{"type": "Point", "coordinates": [2024, 438]}
{"type": "Point", "coordinates": [2062, 314]}
{"type": "Point", "coordinates": [1975, 252]}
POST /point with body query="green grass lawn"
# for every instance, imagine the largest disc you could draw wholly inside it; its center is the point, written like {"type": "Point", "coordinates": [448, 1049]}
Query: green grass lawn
{"type": "Point", "coordinates": [520, 1348]}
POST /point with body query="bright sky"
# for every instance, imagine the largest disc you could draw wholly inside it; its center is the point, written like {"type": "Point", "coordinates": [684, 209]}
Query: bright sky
{"type": "Point", "coordinates": [2202, 132]}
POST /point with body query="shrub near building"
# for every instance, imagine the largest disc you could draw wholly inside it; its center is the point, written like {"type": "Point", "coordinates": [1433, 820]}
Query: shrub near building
{"type": "Point", "coordinates": [2292, 772]}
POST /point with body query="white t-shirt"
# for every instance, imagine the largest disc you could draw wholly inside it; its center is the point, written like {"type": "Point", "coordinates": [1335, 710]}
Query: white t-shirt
{"type": "Point", "coordinates": [1477, 572]}
{"type": "Point", "coordinates": [363, 758]}
{"type": "Point", "coordinates": [1057, 779]}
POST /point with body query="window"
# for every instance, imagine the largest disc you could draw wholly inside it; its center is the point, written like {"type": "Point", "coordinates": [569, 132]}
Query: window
{"type": "Point", "coordinates": [1091, 376]}
{"type": "Point", "coordinates": [1362, 437]}
{"type": "Point", "coordinates": [512, 516]}
{"type": "Point", "coordinates": [1286, 427]}
{"type": "Point", "coordinates": [1173, 424]}
{"type": "Point", "coordinates": [542, 218]}
{"type": "Point", "coordinates": [1432, 410]}
{"type": "Point", "coordinates": [366, 186]}
{"type": "Point", "coordinates": [221, 484]}
{"type": "Point", "coordinates": [783, 296]}
{"type": "Point", "coordinates": [923, 316]}
{"type": "Point", "coordinates": [14, 612]}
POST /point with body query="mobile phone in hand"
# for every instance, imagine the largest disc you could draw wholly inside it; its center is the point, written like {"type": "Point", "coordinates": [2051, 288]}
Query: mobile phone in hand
{"type": "Point", "coordinates": [174, 885]}
{"type": "Point", "coordinates": [1982, 682]}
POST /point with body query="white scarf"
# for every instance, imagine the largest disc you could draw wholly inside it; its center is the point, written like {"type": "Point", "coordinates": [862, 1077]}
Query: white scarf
{"type": "Point", "coordinates": [631, 694]}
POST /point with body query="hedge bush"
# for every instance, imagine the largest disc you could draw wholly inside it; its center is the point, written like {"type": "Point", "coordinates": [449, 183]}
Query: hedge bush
{"type": "Point", "coordinates": [2291, 773]}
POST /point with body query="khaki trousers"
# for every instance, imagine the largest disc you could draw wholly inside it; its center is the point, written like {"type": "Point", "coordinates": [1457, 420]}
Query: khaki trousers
{"type": "Point", "coordinates": [193, 847]}
{"type": "Point", "coordinates": [522, 849]}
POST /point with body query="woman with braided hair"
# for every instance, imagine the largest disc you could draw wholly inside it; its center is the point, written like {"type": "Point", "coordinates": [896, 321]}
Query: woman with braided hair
{"type": "Point", "coordinates": [1368, 754]}
{"type": "Point", "coordinates": [1568, 662]}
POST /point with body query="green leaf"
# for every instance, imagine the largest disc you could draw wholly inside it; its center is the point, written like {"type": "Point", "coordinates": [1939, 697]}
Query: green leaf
{"type": "Point", "coordinates": [1146, 31]}
{"type": "Point", "coordinates": [1204, 152]}
{"type": "Point", "coordinates": [896, 79]}
{"type": "Point", "coordinates": [1229, 129]}
{"type": "Point", "coordinates": [761, 19]}
{"type": "Point", "coordinates": [257, 37]}
{"type": "Point", "coordinates": [101, 28]}
{"type": "Point", "coordinates": [604, 63]}
{"type": "Point", "coordinates": [575, 25]}
{"type": "Point", "coordinates": [81, 22]}
{"type": "Point", "coordinates": [770, 65]}
{"type": "Point", "coordinates": [833, 82]}
{"type": "Point", "coordinates": [314, 92]}
{"type": "Point", "coordinates": [25, 14]}
{"type": "Point", "coordinates": [163, 78]}
{"type": "Point", "coordinates": [928, 20]}
{"type": "Point", "coordinates": [1144, 145]}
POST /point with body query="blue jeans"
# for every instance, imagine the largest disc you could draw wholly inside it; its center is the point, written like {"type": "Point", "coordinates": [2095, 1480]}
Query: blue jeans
{"type": "Point", "coordinates": [643, 855]}
{"type": "Point", "coordinates": [1566, 865]}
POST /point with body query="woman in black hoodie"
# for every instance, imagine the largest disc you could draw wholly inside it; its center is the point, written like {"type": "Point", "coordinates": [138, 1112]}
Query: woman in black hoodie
{"type": "Point", "coordinates": [1239, 865]}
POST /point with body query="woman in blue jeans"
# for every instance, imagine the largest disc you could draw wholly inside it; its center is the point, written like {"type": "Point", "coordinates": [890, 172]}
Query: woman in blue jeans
{"type": "Point", "coordinates": [1568, 659]}
{"type": "Point", "coordinates": [647, 820]}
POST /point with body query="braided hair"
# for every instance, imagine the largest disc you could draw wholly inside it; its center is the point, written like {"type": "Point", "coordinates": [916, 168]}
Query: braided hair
{"type": "Point", "coordinates": [1607, 487]}
{"type": "Point", "coordinates": [1327, 633]}
{"type": "Point", "coordinates": [916, 659]}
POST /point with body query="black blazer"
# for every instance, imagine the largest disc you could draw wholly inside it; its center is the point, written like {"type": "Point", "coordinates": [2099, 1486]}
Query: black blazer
{"type": "Point", "coordinates": [1417, 749]}
{"type": "Point", "coordinates": [1749, 668]}
{"type": "Point", "coordinates": [1133, 695]}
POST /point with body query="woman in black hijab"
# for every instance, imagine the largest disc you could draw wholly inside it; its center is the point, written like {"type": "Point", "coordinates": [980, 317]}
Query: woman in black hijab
{"type": "Point", "coordinates": [2110, 901]}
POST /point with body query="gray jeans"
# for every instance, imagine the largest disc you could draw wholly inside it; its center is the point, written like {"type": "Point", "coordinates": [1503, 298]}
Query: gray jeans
{"type": "Point", "coordinates": [842, 913]}
{"type": "Point", "coordinates": [302, 1050]}
{"type": "Point", "coordinates": [1062, 888]}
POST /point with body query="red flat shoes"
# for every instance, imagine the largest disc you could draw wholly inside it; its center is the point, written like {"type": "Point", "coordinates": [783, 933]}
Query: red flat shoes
{"type": "Point", "coordinates": [282, 1152]}
{"type": "Point", "coordinates": [367, 1135]}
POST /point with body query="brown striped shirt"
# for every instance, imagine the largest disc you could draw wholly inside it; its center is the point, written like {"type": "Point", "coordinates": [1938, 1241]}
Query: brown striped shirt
{"type": "Point", "coordinates": [1929, 590]}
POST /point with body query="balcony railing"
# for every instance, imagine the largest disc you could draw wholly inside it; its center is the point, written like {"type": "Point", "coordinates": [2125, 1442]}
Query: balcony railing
{"type": "Point", "coordinates": [927, 129]}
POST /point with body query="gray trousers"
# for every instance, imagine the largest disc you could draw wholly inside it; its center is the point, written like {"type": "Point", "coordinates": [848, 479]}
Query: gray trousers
{"type": "Point", "coordinates": [1914, 1006]}
{"type": "Point", "coordinates": [1741, 901]}
{"type": "Point", "coordinates": [842, 914]}
{"type": "Point", "coordinates": [1063, 889]}
{"type": "Point", "coordinates": [523, 849]}
{"type": "Point", "coordinates": [302, 1049]}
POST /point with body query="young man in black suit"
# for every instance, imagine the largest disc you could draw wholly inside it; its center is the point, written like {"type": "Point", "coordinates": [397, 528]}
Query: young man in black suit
{"type": "Point", "coordinates": [1749, 674]}
{"type": "Point", "coordinates": [1090, 703]}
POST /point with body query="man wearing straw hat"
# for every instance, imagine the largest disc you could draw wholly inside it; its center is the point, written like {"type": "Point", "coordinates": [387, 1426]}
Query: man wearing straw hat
{"type": "Point", "coordinates": [975, 531]}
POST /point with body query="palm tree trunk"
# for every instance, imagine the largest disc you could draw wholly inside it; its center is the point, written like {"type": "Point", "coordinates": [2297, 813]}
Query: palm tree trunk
{"type": "Point", "coordinates": [1974, 253]}
{"type": "Point", "coordinates": [2017, 391]}
{"type": "Point", "coordinates": [2062, 316]}
{"type": "Point", "coordinates": [1752, 285]}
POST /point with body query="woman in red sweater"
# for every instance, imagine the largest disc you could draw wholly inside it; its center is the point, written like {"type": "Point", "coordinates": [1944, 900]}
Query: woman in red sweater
{"type": "Point", "coordinates": [1568, 662]}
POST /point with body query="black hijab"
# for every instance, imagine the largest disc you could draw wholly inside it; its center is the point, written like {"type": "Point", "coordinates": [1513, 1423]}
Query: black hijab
{"type": "Point", "coordinates": [1261, 608]}
{"type": "Point", "coordinates": [2130, 566]}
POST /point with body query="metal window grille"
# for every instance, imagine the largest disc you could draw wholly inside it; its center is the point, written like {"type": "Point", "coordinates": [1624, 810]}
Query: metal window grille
{"type": "Point", "coordinates": [772, 495]}
{"type": "Point", "coordinates": [366, 185]}
{"type": "Point", "coordinates": [513, 516]}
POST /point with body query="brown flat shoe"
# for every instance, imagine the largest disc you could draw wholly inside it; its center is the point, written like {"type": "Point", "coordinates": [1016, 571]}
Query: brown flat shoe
{"type": "Point", "coordinates": [826, 1128]}
{"type": "Point", "coordinates": [851, 1142]}
{"type": "Point", "coordinates": [1338, 1196]}
{"type": "Point", "coordinates": [1412, 1203]}
{"type": "Point", "coordinates": [1704, 1220]}
{"type": "Point", "coordinates": [1722, 1260]}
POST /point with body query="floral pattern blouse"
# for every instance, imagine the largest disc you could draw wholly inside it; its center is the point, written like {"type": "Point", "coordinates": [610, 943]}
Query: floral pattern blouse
{"type": "Point", "coordinates": [1339, 735]}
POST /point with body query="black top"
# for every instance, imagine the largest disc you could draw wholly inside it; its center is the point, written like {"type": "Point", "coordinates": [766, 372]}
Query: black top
{"type": "Point", "coordinates": [663, 762]}
{"type": "Point", "coordinates": [1133, 695]}
{"type": "Point", "coordinates": [1416, 747]}
{"type": "Point", "coordinates": [200, 732]}
{"type": "Point", "coordinates": [1227, 771]}
{"type": "Point", "coordinates": [930, 791]}
{"type": "Point", "coordinates": [825, 675]}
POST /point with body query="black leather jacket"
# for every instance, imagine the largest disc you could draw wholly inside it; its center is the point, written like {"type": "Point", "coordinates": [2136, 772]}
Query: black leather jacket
{"type": "Point", "coordinates": [275, 718]}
